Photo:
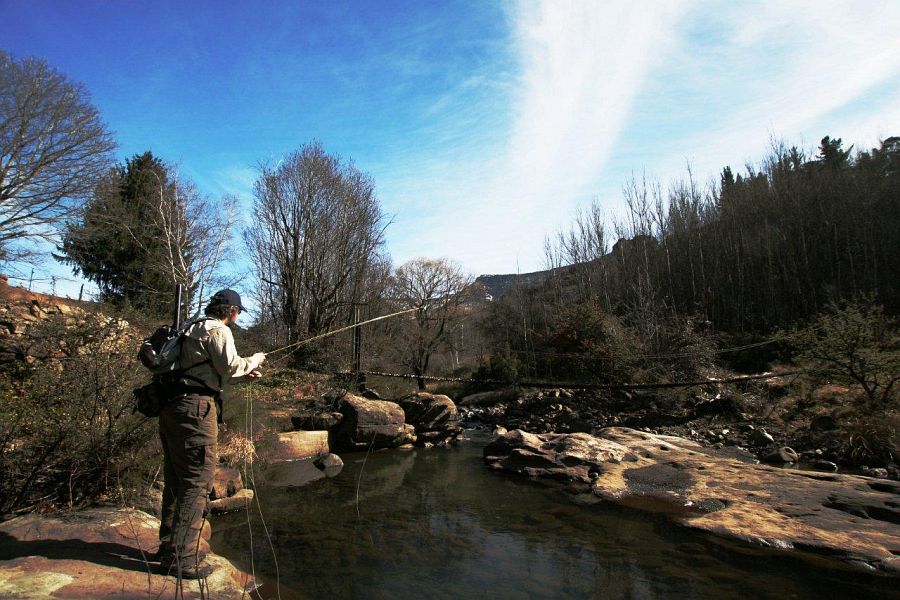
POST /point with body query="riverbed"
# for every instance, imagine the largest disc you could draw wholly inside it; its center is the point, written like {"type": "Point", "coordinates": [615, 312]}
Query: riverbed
{"type": "Point", "coordinates": [437, 523]}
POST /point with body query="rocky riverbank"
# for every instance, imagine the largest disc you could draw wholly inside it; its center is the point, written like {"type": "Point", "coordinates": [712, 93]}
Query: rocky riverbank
{"type": "Point", "coordinates": [852, 518]}
{"type": "Point", "coordinates": [100, 552]}
{"type": "Point", "coordinates": [766, 420]}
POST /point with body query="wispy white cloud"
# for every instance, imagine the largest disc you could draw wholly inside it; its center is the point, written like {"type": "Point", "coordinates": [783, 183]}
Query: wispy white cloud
{"type": "Point", "coordinates": [790, 70]}
{"type": "Point", "coordinates": [583, 65]}
{"type": "Point", "coordinates": [580, 66]}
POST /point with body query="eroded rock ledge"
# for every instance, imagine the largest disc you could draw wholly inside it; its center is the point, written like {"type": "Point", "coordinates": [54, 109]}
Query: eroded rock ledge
{"type": "Point", "coordinates": [97, 553]}
{"type": "Point", "coordinates": [853, 518]}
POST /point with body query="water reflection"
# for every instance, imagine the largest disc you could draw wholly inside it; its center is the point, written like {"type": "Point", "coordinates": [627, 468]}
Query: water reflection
{"type": "Point", "coordinates": [437, 523]}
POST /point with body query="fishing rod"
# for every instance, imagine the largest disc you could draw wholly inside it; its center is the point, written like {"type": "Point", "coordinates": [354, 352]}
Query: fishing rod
{"type": "Point", "coordinates": [342, 329]}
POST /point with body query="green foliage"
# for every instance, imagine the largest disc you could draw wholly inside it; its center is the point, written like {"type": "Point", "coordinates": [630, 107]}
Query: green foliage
{"type": "Point", "coordinates": [67, 431]}
{"type": "Point", "coordinates": [853, 343]}
{"type": "Point", "coordinates": [589, 344]}
{"type": "Point", "coordinates": [832, 154]}
{"type": "Point", "coordinates": [117, 242]}
{"type": "Point", "coordinates": [500, 368]}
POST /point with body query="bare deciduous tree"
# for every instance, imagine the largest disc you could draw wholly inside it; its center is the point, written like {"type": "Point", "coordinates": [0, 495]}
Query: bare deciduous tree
{"type": "Point", "coordinates": [194, 230]}
{"type": "Point", "coordinates": [317, 231]}
{"type": "Point", "coordinates": [438, 289]}
{"type": "Point", "coordinates": [53, 150]}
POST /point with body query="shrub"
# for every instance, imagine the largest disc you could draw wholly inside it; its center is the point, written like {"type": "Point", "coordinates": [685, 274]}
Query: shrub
{"type": "Point", "coordinates": [592, 345]}
{"type": "Point", "coordinates": [852, 343]}
{"type": "Point", "coordinates": [67, 431]}
{"type": "Point", "coordinates": [873, 440]}
{"type": "Point", "coordinates": [499, 369]}
{"type": "Point", "coordinates": [685, 349]}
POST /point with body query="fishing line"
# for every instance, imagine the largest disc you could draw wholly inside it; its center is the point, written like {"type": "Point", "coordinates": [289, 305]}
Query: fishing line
{"type": "Point", "coordinates": [248, 434]}
{"type": "Point", "coordinates": [256, 496]}
{"type": "Point", "coordinates": [247, 477]}
{"type": "Point", "coordinates": [335, 331]}
{"type": "Point", "coordinates": [361, 469]}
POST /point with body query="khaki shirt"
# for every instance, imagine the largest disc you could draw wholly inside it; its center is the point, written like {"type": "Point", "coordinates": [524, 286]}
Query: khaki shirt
{"type": "Point", "coordinates": [211, 339]}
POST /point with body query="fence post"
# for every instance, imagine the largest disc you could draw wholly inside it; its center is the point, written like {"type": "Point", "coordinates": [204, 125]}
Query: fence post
{"type": "Point", "coordinates": [357, 349]}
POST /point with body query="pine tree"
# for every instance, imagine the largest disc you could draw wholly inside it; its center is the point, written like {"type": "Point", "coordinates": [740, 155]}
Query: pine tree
{"type": "Point", "coordinates": [116, 240]}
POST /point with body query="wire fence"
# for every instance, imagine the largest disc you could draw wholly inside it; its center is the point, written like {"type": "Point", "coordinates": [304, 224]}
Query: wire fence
{"type": "Point", "coordinates": [579, 385]}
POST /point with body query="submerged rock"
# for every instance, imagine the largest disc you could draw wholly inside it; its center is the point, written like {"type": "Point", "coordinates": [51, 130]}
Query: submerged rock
{"type": "Point", "coordinates": [97, 553]}
{"type": "Point", "coordinates": [850, 517]}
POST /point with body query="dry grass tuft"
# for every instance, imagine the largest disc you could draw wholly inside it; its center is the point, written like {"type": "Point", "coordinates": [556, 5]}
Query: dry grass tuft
{"type": "Point", "coordinates": [237, 450]}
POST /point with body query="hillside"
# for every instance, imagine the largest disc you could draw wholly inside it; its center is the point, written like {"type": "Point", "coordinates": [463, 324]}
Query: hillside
{"type": "Point", "coordinates": [499, 285]}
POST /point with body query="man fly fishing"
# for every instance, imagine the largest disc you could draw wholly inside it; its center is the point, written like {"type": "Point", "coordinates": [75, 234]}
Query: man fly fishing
{"type": "Point", "coordinates": [188, 428]}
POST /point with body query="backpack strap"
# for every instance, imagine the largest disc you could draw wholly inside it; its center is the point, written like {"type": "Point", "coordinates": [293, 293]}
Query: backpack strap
{"type": "Point", "coordinates": [182, 373]}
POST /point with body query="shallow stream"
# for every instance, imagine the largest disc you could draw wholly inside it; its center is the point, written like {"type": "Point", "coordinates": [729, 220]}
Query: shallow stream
{"type": "Point", "coordinates": [437, 523]}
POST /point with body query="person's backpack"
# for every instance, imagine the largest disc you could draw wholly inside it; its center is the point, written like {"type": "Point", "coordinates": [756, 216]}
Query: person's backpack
{"type": "Point", "coordinates": [161, 353]}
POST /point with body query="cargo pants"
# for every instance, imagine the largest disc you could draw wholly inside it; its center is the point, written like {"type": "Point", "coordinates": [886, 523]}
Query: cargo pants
{"type": "Point", "coordinates": [188, 431]}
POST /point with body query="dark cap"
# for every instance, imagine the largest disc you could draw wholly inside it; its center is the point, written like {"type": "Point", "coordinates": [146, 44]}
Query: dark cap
{"type": "Point", "coordinates": [228, 298]}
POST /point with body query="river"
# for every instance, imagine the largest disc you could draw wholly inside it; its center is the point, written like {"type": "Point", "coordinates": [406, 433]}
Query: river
{"type": "Point", "coordinates": [437, 523]}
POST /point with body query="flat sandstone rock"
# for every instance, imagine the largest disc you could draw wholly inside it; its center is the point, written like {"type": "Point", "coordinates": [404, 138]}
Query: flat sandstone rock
{"type": "Point", "coordinates": [96, 553]}
{"type": "Point", "coordinates": [853, 518]}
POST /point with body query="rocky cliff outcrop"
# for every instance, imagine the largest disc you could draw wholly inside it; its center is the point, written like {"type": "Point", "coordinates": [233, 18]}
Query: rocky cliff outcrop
{"type": "Point", "coordinates": [47, 328]}
{"type": "Point", "coordinates": [853, 518]}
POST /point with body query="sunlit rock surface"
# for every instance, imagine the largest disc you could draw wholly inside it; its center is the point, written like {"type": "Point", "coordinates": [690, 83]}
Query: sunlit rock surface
{"type": "Point", "coordinates": [850, 517]}
{"type": "Point", "coordinates": [96, 553]}
{"type": "Point", "coordinates": [240, 500]}
{"type": "Point", "coordinates": [295, 445]}
{"type": "Point", "coordinates": [369, 424]}
{"type": "Point", "coordinates": [434, 416]}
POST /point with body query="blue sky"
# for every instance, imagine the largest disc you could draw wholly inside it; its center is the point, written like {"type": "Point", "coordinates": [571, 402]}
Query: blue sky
{"type": "Point", "coordinates": [485, 125]}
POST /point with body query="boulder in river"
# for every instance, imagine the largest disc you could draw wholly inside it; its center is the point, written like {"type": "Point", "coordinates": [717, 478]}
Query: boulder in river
{"type": "Point", "coordinates": [370, 424]}
{"type": "Point", "coordinates": [434, 416]}
{"type": "Point", "coordinates": [330, 464]}
{"type": "Point", "coordinates": [294, 445]}
{"type": "Point", "coordinates": [850, 517]}
{"type": "Point", "coordinates": [761, 437]}
{"type": "Point", "coordinates": [782, 455]}
{"type": "Point", "coordinates": [316, 421]}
